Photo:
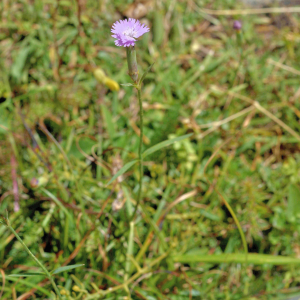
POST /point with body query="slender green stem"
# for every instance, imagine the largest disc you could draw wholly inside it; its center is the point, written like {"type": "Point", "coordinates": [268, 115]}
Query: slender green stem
{"type": "Point", "coordinates": [140, 272]}
{"type": "Point", "coordinates": [37, 261]}
{"type": "Point", "coordinates": [241, 58]}
{"type": "Point", "coordinates": [139, 197]}
{"type": "Point", "coordinates": [239, 38]}
{"type": "Point", "coordinates": [238, 226]}
{"type": "Point", "coordinates": [128, 260]}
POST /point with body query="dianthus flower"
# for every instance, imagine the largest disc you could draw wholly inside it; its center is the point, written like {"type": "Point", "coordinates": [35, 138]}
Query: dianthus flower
{"type": "Point", "coordinates": [237, 25]}
{"type": "Point", "coordinates": [127, 31]}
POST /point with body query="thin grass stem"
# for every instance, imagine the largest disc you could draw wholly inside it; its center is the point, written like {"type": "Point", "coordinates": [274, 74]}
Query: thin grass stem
{"type": "Point", "coordinates": [139, 197]}
{"type": "Point", "coordinates": [37, 261]}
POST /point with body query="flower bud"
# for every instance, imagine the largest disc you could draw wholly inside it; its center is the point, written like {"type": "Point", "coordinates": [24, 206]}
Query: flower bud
{"type": "Point", "coordinates": [237, 25]}
{"type": "Point", "coordinates": [102, 78]}
{"type": "Point", "coordinates": [111, 84]}
{"type": "Point", "coordinates": [132, 64]}
{"type": "Point", "coordinates": [76, 288]}
{"type": "Point", "coordinates": [63, 292]}
{"type": "Point", "coordinates": [37, 182]}
{"type": "Point", "coordinates": [34, 182]}
{"type": "Point", "coordinates": [99, 75]}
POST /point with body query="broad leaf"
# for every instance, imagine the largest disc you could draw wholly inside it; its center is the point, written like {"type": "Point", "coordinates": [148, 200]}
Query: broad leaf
{"type": "Point", "coordinates": [123, 170]}
{"type": "Point", "coordinates": [66, 268]}
{"type": "Point", "coordinates": [165, 144]}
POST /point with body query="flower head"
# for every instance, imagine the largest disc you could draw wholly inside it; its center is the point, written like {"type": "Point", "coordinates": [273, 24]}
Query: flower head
{"type": "Point", "coordinates": [237, 25]}
{"type": "Point", "coordinates": [127, 31]}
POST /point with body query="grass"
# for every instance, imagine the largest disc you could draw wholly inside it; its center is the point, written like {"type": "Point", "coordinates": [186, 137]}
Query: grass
{"type": "Point", "coordinates": [64, 135]}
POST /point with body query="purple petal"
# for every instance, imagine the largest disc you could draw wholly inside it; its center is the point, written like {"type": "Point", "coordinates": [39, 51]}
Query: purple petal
{"type": "Point", "coordinates": [126, 31]}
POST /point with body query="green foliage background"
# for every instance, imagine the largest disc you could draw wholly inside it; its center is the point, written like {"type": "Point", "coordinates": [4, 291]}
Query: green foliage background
{"type": "Point", "coordinates": [65, 134]}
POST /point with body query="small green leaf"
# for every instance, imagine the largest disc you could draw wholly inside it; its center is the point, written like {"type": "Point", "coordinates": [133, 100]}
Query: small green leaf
{"type": "Point", "coordinates": [85, 144]}
{"type": "Point", "coordinates": [145, 73]}
{"type": "Point", "coordinates": [66, 268]}
{"type": "Point", "coordinates": [27, 274]}
{"type": "Point", "coordinates": [57, 202]}
{"type": "Point", "coordinates": [165, 144]}
{"type": "Point", "coordinates": [127, 84]}
{"type": "Point", "coordinates": [122, 170]}
{"type": "Point", "coordinates": [293, 207]}
{"type": "Point", "coordinates": [19, 63]}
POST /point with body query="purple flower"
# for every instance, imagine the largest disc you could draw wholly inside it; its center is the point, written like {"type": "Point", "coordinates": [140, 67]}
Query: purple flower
{"type": "Point", "coordinates": [127, 31]}
{"type": "Point", "coordinates": [237, 25]}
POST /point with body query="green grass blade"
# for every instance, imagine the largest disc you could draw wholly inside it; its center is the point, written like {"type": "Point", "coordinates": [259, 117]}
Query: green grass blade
{"type": "Point", "coordinates": [108, 120]}
{"type": "Point", "coordinates": [26, 274]}
{"type": "Point", "coordinates": [145, 73]}
{"type": "Point", "coordinates": [66, 268]}
{"type": "Point", "coordinates": [127, 84]}
{"type": "Point", "coordinates": [57, 202]}
{"type": "Point", "coordinates": [252, 258]}
{"type": "Point", "coordinates": [165, 144]}
{"type": "Point", "coordinates": [237, 222]}
{"type": "Point", "coordinates": [129, 251]}
{"type": "Point", "coordinates": [122, 170]}
{"type": "Point", "coordinates": [19, 281]}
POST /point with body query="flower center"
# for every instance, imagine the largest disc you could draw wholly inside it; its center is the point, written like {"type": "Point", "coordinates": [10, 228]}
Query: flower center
{"type": "Point", "coordinates": [129, 32]}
